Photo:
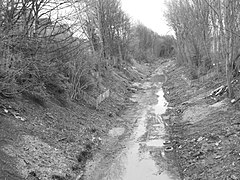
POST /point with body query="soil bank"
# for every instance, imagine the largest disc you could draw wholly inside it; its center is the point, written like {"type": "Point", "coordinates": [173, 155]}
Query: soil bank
{"type": "Point", "coordinates": [205, 132]}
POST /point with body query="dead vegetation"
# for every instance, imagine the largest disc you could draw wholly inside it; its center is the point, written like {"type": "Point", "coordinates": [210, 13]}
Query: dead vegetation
{"type": "Point", "coordinates": [204, 131]}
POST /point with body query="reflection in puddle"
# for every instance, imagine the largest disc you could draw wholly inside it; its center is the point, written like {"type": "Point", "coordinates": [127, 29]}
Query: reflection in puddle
{"type": "Point", "coordinates": [140, 166]}
{"type": "Point", "coordinates": [141, 128]}
{"type": "Point", "coordinates": [135, 162]}
{"type": "Point", "coordinates": [155, 143]}
{"type": "Point", "coordinates": [161, 106]}
{"type": "Point", "coordinates": [138, 163]}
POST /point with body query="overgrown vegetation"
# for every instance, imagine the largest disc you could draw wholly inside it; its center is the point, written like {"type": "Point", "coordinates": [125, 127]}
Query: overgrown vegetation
{"type": "Point", "coordinates": [207, 35]}
{"type": "Point", "coordinates": [63, 48]}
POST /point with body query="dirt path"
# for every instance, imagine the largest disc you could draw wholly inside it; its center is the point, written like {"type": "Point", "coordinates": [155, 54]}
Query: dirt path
{"type": "Point", "coordinates": [137, 153]}
{"type": "Point", "coordinates": [189, 136]}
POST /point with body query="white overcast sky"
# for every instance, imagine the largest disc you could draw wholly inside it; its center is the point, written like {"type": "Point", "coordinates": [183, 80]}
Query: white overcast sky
{"type": "Point", "coordinates": [148, 12]}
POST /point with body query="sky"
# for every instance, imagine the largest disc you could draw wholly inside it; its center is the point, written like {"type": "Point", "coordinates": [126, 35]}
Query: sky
{"type": "Point", "coordinates": [148, 12]}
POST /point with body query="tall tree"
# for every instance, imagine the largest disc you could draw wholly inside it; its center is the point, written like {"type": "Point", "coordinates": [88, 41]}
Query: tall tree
{"type": "Point", "coordinates": [207, 32]}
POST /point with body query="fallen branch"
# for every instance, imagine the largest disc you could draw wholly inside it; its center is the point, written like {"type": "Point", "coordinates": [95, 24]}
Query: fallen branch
{"type": "Point", "coordinates": [221, 90]}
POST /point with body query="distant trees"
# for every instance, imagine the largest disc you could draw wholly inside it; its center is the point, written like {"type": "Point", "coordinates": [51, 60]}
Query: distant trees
{"type": "Point", "coordinates": [190, 21]}
{"type": "Point", "coordinates": [147, 45]}
{"type": "Point", "coordinates": [207, 34]}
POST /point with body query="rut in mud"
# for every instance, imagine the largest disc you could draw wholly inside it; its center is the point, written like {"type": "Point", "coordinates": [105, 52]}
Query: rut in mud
{"type": "Point", "coordinates": [141, 155]}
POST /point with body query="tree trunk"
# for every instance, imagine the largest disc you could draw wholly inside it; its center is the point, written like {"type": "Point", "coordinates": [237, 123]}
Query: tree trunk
{"type": "Point", "coordinates": [229, 79]}
{"type": "Point", "coordinates": [229, 45]}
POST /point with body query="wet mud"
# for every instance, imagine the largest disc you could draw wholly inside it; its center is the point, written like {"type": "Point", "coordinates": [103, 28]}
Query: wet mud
{"type": "Point", "coordinates": [142, 153]}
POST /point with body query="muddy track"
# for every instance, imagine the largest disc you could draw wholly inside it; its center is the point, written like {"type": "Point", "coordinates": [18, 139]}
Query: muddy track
{"type": "Point", "coordinates": [137, 151]}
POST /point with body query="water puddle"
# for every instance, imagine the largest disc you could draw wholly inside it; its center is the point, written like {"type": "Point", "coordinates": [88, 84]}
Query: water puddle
{"type": "Point", "coordinates": [138, 164]}
{"type": "Point", "coordinates": [136, 161]}
{"type": "Point", "coordinates": [155, 143]}
{"type": "Point", "coordinates": [140, 167]}
{"type": "Point", "coordinates": [161, 106]}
